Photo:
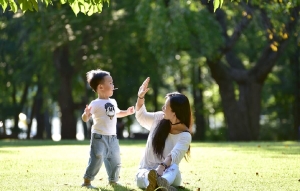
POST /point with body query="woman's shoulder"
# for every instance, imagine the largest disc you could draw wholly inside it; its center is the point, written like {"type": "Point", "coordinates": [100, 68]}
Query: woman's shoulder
{"type": "Point", "coordinates": [184, 135]}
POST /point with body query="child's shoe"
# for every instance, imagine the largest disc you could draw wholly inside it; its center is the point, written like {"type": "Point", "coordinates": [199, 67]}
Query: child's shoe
{"type": "Point", "coordinates": [89, 186]}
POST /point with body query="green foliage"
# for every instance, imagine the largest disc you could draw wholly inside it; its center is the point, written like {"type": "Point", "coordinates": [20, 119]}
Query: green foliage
{"type": "Point", "coordinates": [279, 99]}
{"type": "Point", "coordinates": [87, 7]}
{"type": "Point", "coordinates": [205, 33]}
{"type": "Point", "coordinates": [133, 40]}
{"type": "Point", "coordinates": [217, 4]}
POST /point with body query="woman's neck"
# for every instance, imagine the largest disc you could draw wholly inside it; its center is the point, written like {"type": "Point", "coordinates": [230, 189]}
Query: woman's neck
{"type": "Point", "coordinates": [176, 123]}
{"type": "Point", "coordinates": [178, 128]}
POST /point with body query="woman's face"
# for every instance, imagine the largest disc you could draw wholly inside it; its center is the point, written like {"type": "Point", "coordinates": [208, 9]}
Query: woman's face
{"type": "Point", "coordinates": [169, 114]}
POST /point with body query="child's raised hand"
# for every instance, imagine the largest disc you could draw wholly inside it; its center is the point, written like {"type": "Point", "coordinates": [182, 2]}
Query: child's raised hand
{"type": "Point", "coordinates": [87, 110]}
{"type": "Point", "coordinates": [130, 110]}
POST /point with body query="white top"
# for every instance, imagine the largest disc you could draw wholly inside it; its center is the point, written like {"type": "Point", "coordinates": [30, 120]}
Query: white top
{"type": "Point", "coordinates": [176, 144]}
{"type": "Point", "coordinates": [104, 116]}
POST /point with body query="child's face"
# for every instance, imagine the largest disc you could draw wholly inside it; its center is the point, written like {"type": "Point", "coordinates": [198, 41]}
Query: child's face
{"type": "Point", "coordinates": [107, 86]}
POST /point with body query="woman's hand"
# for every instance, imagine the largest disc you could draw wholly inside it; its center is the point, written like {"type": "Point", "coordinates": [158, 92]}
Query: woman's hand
{"type": "Point", "coordinates": [144, 88]}
{"type": "Point", "coordinates": [160, 170]}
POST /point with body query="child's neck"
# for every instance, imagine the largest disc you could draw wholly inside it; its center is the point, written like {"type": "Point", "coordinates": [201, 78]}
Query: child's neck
{"type": "Point", "coordinates": [100, 96]}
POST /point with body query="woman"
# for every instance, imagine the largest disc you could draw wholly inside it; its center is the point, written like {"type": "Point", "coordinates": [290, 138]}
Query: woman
{"type": "Point", "coordinates": [168, 141]}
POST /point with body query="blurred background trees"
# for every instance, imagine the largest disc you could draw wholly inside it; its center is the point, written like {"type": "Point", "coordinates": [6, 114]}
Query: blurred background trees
{"type": "Point", "coordinates": [238, 65]}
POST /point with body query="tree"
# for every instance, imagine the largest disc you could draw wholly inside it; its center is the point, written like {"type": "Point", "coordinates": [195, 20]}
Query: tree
{"type": "Point", "coordinates": [242, 110]}
{"type": "Point", "coordinates": [226, 41]}
{"type": "Point", "coordinates": [24, 61]}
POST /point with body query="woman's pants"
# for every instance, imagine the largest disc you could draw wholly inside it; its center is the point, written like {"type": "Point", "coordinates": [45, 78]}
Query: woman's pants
{"type": "Point", "coordinates": [172, 175]}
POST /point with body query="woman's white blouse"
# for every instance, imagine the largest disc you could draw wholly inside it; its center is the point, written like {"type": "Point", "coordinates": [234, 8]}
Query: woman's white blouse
{"type": "Point", "coordinates": [176, 144]}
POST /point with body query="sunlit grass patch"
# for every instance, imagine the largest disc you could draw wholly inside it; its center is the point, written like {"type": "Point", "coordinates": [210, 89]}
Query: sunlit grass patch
{"type": "Point", "coordinates": [47, 165]}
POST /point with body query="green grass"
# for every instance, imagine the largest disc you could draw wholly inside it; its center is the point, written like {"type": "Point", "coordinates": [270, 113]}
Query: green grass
{"type": "Point", "coordinates": [47, 165]}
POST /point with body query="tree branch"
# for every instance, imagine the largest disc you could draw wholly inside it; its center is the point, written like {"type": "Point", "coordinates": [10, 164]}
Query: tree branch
{"type": "Point", "coordinates": [269, 56]}
{"type": "Point", "coordinates": [266, 21]}
{"type": "Point", "coordinates": [230, 42]}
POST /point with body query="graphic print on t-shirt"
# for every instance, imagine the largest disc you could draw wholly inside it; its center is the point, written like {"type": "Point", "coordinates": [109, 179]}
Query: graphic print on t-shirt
{"type": "Point", "coordinates": [110, 110]}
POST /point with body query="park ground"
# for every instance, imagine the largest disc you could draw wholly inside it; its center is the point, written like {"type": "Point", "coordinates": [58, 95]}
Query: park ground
{"type": "Point", "coordinates": [220, 166]}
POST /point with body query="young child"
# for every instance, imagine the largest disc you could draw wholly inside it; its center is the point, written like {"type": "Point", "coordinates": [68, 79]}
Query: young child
{"type": "Point", "coordinates": [104, 145]}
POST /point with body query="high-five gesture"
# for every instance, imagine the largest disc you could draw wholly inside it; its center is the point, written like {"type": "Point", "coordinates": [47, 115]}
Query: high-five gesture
{"type": "Point", "coordinates": [141, 94]}
{"type": "Point", "coordinates": [144, 88]}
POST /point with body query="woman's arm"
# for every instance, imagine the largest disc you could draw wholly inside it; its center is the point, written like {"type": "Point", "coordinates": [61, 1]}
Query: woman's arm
{"type": "Point", "coordinates": [181, 147]}
{"type": "Point", "coordinates": [144, 118]}
{"type": "Point", "coordinates": [176, 154]}
{"type": "Point", "coordinates": [164, 165]}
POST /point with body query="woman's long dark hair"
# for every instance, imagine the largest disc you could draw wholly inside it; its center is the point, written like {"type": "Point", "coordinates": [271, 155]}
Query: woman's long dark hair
{"type": "Point", "coordinates": [179, 104]}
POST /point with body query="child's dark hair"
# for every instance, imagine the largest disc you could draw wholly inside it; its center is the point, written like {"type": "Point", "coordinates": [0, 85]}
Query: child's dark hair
{"type": "Point", "coordinates": [95, 77]}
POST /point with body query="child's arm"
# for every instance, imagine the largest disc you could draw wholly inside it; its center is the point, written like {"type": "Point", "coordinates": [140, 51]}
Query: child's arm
{"type": "Point", "coordinates": [87, 113]}
{"type": "Point", "coordinates": [124, 113]}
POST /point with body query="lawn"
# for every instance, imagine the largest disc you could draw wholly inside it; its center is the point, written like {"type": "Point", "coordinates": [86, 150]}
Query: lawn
{"type": "Point", "coordinates": [47, 165]}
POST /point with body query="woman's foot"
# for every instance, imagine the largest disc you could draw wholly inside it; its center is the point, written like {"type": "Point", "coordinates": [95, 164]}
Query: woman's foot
{"type": "Point", "coordinates": [152, 177]}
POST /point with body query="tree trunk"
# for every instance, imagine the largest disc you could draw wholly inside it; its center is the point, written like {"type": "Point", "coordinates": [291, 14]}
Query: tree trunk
{"type": "Point", "coordinates": [65, 99]}
{"type": "Point", "coordinates": [18, 108]}
{"type": "Point", "coordinates": [4, 129]}
{"type": "Point", "coordinates": [32, 113]}
{"type": "Point", "coordinates": [198, 104]}
{"type": "Point", "coordinates": [295, 61]}
{"type": "Point", "coordinates": [242, 115]}
{"type": "Point", "coordinates": [48, 124]}
{"type": "Point", "coordinates": [40, 115]}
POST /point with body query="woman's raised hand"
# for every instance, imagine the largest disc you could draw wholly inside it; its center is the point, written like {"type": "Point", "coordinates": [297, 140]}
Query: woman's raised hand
{"type": "Point", "coordinates": [144, 88]}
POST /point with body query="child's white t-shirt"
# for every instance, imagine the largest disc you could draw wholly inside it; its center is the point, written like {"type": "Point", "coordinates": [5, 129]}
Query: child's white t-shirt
{"type": "Point", "coordinates": [104, 116]}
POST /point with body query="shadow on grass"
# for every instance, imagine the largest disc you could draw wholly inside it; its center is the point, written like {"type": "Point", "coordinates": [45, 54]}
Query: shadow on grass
{"type": "Point", "coordinates": [27, 143]}
{"type": "Point", "coordinates": [122, 188]}
{"type": "Point", "coordinates": [116, 188]}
